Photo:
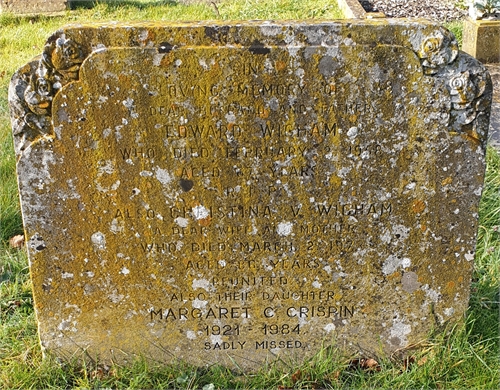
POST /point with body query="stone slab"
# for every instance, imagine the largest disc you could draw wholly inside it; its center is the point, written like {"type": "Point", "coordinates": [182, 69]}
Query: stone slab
{"type": "Point", "coordinates": [33, 6]}
{"type": "Point", "coordinates": [494, 132]}
{"type": "Point", "coordinates": [481, 39]}
{"type": "Point", "coordinates": [233, 193]}
{"type": "Point", "coordinates": [352, 9]}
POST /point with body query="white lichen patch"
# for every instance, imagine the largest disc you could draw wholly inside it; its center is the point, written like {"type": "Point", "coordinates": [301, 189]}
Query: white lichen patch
{"type": "Point", "coordinates": [73, 194]}
{"type": "Point", "coordinates": [406, 262]}
{"type": "Point", "coordinates": [199, 304]}
{"type": "Point", "coordinates": [118, 134]}
{"type": "Point", "coordinates": [124, 271]}
{"type": "Point", "coordinates": [386, 236]}
{"type": "Point", "coordinates": [130, 314]}
{"type": "Point", "coordinates": [66, 275]}
{"type": "Point", "coordinates": [270, 30]}
{"type": "Point", "coordinates": [393, 262]}
{"type": "Point", "coordinates": [338, 275]}
{"type": "Point", "coordinates": [135, 192]}
{"type": "Point", "coordinates": [115, 297]}
{"type": "Point", "coordinates": [102, 99]}
{"type": "Point", "coordinates": [344, 171]}
{"type": "Point", "coordinates": [182, 222]}
{"type": "Point", "coordinates": [293, 312]}
{"type": "Point", "coordinates": [113, 187]}
{"type": "Point", "coordinates": [433, 295]}
{"type": "Point", "coordinates": [284, 228]}
{"type": "Point", "coordinates": [399, 332]}
{"type": "Point", "coordinates": [190, 335]}
{"type": "Point", "coordinates": [99, 240]}
{"type": "Point", "coordinates": [329, 328]}
{"type": "Point", "coordinates": [266, 265]}
{"type": "Point", "coordinates": [352, 132]}
{"type": "Point", "coordinates": [400, 232]}
{"type": "Point", "coordinates": [157, 58]}
{"type": "Point", "coordinates": [163, 176]}
{"type": "Point", "coordinates": [65, 325]}
{"type": "Point", "coordinates": [201, 283]}
{"type": "Point", "coordinates": [216, 339]}
{"type": "Point", "coordinates": [200, 212]}
{"type": "Point", "coordinates": [255, 229]}
{"type": "Point", "coordinates": [129, 103]}
{"type": "Point", "coordinates": [469, 256]}
{"type": "Point", "coordinates": [230, 117]}
{"type": "Point", "coordinates": [106, 166]}
{"type": "Point", "coordinates": [117, 226]}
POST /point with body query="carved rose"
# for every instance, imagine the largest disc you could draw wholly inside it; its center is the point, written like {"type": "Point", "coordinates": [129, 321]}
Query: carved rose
{"type": "Point", "coordinates": [465, 90]}
{"type": "Point", "coordinates": [60, 64]}
{"type": "Point", "coordinates": [64, 56]}
{"type": "Point", "coordinates": [67, 58]}
{"type": "Point", "coordinates": [437, 51]}
{"type": "Point", "coordinates": [39, 92]}
{"type": "Point", "coordinates": [462, 90]}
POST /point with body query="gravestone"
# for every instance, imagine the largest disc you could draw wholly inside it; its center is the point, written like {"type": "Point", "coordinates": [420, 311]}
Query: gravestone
{"type": "Point", "coordinates": [32, 6]}
{"type": "Point", "coordinates": [230, 193]}
{"type": "Point", "coordinates": [481, 39]}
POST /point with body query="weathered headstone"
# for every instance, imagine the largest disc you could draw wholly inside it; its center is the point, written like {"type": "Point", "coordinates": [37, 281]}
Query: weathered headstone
{"type": "Point", "coordinates": [32, 6]}
{"type": "Point", "coordinates": [229, 193]}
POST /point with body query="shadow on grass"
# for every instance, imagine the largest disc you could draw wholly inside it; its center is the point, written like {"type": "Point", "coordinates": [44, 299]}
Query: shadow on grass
{"type": "Point", "coordinates": [10, 19]}
{"type": "Point", "coordinates": [113, 4]}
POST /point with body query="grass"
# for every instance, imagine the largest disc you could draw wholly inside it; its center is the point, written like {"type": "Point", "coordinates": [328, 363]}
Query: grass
{"type": "Point", "coordinates": [465, 356]}
{"type": "Point", "coordinates": [456, 28]}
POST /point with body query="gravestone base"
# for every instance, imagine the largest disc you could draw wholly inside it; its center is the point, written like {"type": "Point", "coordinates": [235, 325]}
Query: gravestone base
{"type": "Point", "coordinates": [238, 192]}
{"type": "Point", "coordinates": [481, 39]}
{"type": "Point", "coordinates": [33, 6]}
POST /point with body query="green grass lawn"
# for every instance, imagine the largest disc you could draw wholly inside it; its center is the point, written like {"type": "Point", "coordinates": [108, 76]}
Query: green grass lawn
{"type": "Point", "coordinates": [465, 356]}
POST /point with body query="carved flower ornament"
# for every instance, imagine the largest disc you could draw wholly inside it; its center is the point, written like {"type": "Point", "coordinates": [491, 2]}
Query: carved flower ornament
{"type": "Point", "coordinates": [437, 51]}
{"type": "Point", "coordinates": [464, 90]}
{"type": "Point", "coordinates": [60, 64]}
{"type": "Point", "coordinates": [39, 92]}
{"type": "Point", "coordinates": [64, 56]}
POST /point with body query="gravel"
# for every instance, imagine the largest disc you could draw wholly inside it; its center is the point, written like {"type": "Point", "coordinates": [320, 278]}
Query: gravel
{"type": "Point", "coordinates": [438, 10]}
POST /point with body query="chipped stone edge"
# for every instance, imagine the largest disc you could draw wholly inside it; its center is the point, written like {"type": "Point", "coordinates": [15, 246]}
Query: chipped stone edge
{"type": "Point", "coordinates": [352, 9]}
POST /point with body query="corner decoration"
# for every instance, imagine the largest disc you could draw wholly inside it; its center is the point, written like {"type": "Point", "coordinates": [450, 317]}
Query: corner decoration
{"type": "Point", "coordinates": [59, 64]}
{"type": "Point", "coordinates": [465, 79]}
